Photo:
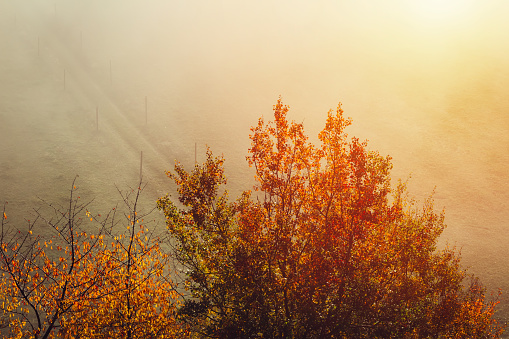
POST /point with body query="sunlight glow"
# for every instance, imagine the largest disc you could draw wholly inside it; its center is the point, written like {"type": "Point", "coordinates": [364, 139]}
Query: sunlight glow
{"type": "Point", "coordinates": [441, 12]}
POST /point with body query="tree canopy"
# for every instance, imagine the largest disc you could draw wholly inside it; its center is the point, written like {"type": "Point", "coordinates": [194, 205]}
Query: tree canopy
{"type": "Point", "coordinates": [325, 247]}
{"type": "Point", "coordinates": [74, 283]}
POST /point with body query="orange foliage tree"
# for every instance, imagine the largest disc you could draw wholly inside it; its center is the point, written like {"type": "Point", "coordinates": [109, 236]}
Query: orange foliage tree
{"type": "Point", "coordinates": [74, 284]}
{"type": "Point", "coordinates": [326, 247]}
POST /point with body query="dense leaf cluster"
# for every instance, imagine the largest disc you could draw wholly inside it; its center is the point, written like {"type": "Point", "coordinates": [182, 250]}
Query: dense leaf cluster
{"type": "Point", "coordinates": [325, 248]}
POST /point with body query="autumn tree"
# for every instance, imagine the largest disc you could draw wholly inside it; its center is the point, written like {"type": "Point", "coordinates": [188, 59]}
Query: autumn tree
{"type": "Point", "coordinates": [38, 286]}
{"type": "Point", "coordinates": [136, 297]}
{"type": "Point", "coordinates": [325, 247]}
{"type": "Point", "coordinates": [69, 283]}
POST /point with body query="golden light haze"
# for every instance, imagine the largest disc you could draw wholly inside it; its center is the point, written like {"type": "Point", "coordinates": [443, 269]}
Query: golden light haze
{"type": "Point", "coordinates": [425, 81]}
{"type": "Point", "coordinates": [442, 13]}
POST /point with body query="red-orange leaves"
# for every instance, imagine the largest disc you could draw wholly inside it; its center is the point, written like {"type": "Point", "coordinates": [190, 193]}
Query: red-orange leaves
{"type": "Point", "coordinates": [278, 152]}
{"type": "Point", "coordinates": [324, 249]}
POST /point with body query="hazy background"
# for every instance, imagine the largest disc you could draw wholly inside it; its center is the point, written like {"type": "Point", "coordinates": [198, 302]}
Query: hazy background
{"type": "Point", "coordinates": [425, 83]}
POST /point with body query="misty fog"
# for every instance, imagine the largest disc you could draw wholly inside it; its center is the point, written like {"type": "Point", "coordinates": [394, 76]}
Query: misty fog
{"type": "Point", "coordinates": [433, 96]}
